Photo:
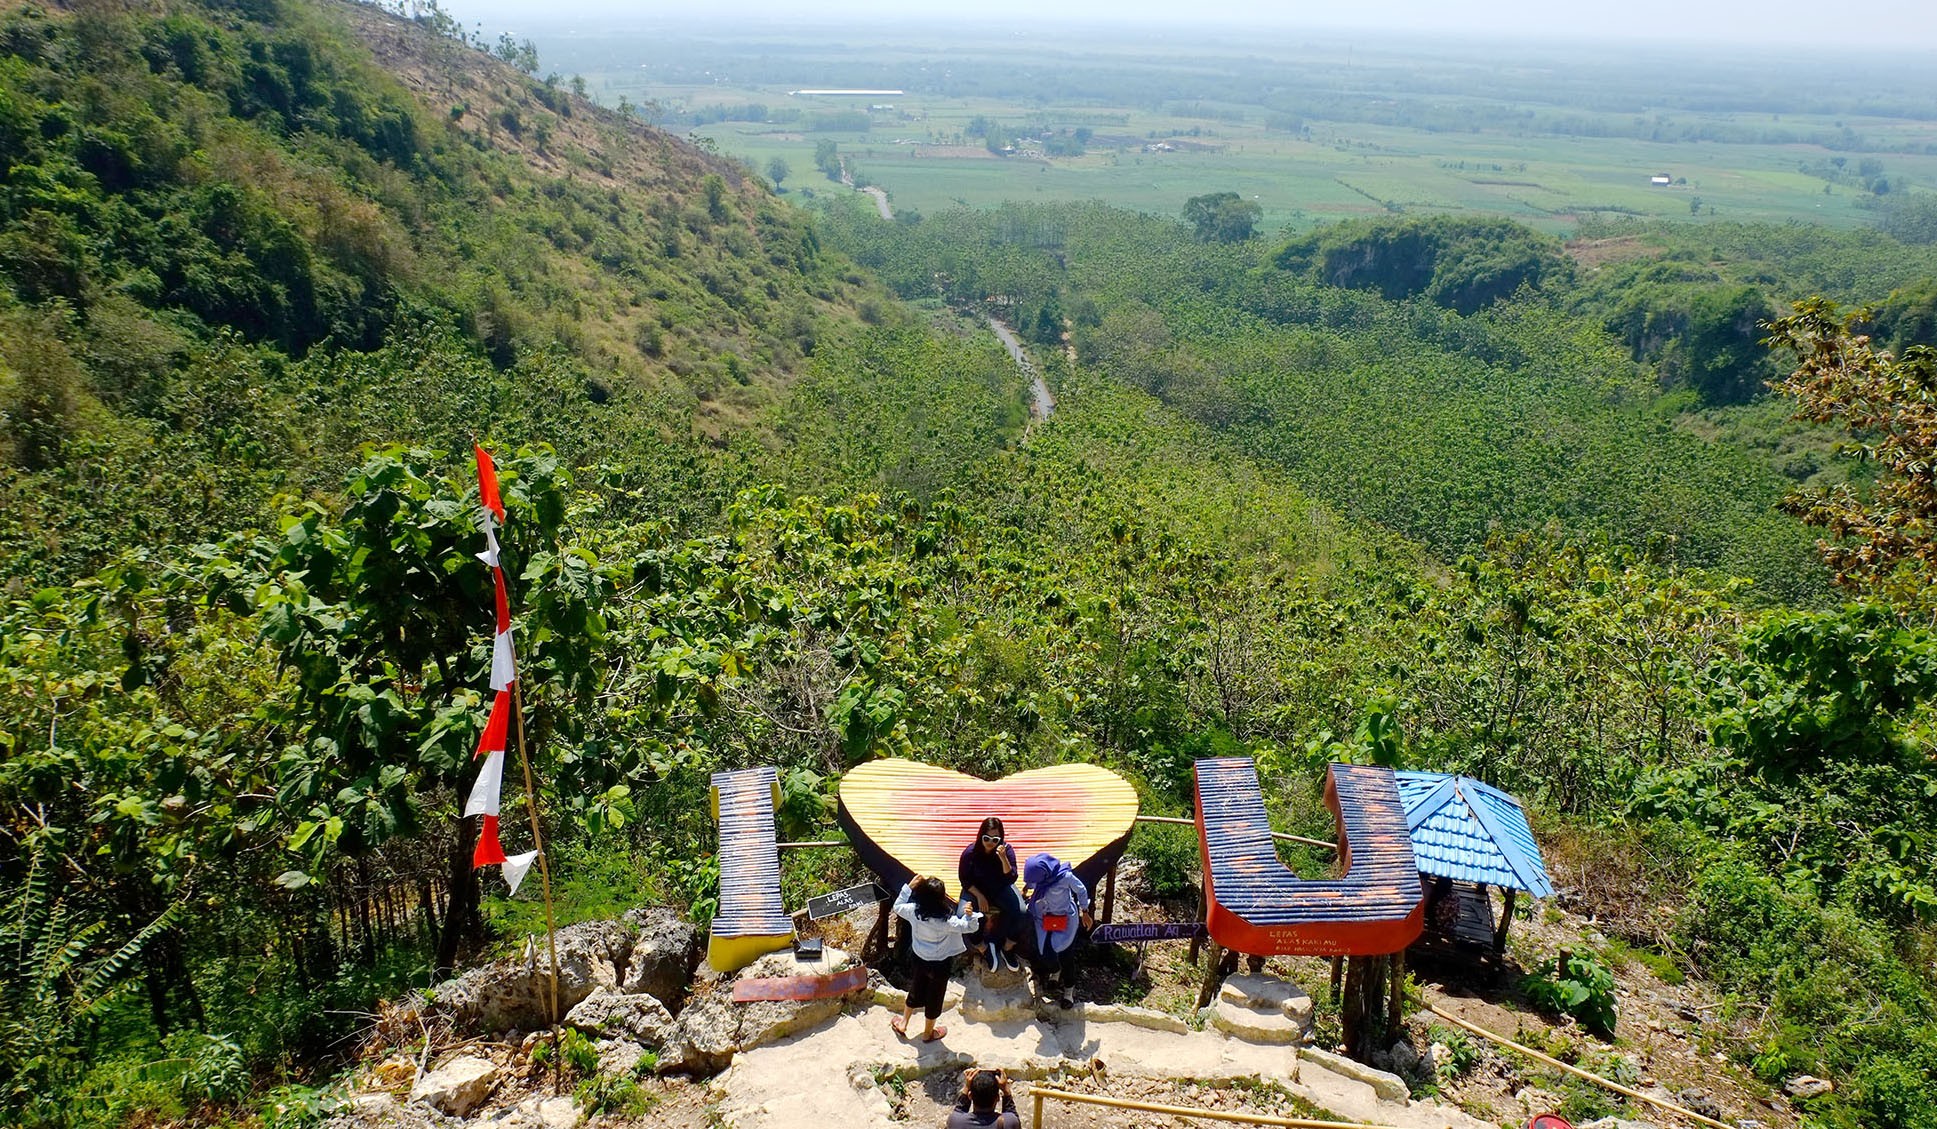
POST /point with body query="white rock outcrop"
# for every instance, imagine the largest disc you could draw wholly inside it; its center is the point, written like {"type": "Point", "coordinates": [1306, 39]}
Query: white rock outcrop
{"type": "Point", "coordinates": [458, 1086]}
{"type": "Point", "coordinates": [611, 1014]}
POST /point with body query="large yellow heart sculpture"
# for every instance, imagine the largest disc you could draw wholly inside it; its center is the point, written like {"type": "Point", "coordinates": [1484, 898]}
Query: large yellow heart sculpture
{"type": "Point", "coordinates": [905, 817]}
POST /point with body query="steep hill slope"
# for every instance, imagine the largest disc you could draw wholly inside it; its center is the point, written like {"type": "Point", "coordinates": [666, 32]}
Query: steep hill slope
{"type": "Point", "coordinates": [239, 241]}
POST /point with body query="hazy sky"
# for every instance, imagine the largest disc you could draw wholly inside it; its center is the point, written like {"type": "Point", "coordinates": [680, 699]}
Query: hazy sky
{"type": "Point", "coordinates": [1893, 25]}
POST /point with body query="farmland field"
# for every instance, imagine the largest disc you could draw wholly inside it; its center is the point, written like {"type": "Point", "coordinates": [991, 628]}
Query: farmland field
{"type": "Point", "coordinates": [1310, 130]}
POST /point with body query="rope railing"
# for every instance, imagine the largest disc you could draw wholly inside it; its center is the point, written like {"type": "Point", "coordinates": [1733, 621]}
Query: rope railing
{"type": "Point", "coordinates": [1041, 1094]}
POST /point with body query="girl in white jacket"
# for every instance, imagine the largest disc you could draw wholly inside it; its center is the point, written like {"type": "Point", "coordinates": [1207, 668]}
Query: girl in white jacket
{"type": "Point", "coordinates": [935, 931]}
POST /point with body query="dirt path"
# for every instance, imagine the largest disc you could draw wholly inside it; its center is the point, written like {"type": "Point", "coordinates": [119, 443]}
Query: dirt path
{"type": "Point", "coordinates": [880, 201]}
{"type": "Point", "coordinates": [1041, 402]}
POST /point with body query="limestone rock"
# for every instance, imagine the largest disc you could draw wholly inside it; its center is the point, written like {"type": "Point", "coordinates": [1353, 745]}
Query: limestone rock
{"type": "Point", "coordinates": [1268, 993]}
{"type": "Point", "coordinates": [1389, 1087]}
{"type": "Point", "coordinates": [618, 1057]}
{"type": "Point", "coordinates": [457, 1086]}
{"type": "Point", "coordinates": [663, 955]}
{"type": "Point", "coordinates": [536, 1113]}
{"type": "Point", "coordinates": [517, 993]}
{"type": "Point", "coordinates": [1537, 1101]}
{"type": "Point", "coordinates": [712, 1029]}
{"type": "Point", "coordinates": [1261, 1009]}
{"type": "Point", "coordinates": [1807, 1086]}
{"type": "Point", "coordinates": [1698, 1100]}
{"type": "Point", "coordinates": [1254, 1025]}
{"type": "Point", "coordinates": [1148, 1018]}
{"type": "Point", "coordinates": [380, 1111]}
{"type": "Point", "coordinates": [990, 1000]}
{"type": "Point", "coordinates": [1402, 1057]}
{"type": "Point", "coordinates": [609, 1013]}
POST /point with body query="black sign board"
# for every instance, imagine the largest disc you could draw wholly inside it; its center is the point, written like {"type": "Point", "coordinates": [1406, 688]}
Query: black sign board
{"type": "Point", "coordinates": [1151, 931]}
{"type": "Point", "coordinates": [840, 901]}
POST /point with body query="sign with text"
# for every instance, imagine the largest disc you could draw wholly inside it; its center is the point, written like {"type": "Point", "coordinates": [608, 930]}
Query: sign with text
{"type": "Point", "coordinates": [1152, 931]}
{"type": "Point", "coordinates": [841, 901]}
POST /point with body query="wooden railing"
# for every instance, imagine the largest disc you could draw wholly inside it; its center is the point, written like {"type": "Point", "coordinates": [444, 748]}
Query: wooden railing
{"type": "Point", "coordinates": [1042, 1094]}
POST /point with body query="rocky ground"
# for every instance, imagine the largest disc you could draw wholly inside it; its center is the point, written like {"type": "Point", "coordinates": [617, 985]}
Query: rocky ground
{"type": "Point", "coordinates": [672, 1049]}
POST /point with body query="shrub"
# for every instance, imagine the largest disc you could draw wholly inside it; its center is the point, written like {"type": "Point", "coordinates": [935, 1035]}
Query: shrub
{"type": "Point", "coordinates": [1578, 985]}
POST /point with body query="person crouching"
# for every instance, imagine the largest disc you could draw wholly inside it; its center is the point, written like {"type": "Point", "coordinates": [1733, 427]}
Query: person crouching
{"type": "Point", "coordinates": [935, 928]}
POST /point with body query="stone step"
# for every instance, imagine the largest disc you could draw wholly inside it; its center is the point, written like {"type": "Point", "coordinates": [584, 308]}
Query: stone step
{"type": "Point", "coordinates": [831, 1074]}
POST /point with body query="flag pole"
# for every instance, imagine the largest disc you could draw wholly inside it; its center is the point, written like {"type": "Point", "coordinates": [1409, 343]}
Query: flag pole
{"type": "Point", "coordinates": [493, 506]}
{"type": "Point", "coordinates": [544, 867]}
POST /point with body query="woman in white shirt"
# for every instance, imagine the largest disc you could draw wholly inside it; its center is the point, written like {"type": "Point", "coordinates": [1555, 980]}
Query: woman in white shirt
{"type": "Point", "coordinates": [935, 931]}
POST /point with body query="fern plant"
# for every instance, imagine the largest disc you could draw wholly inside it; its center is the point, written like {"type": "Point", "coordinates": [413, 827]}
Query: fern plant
{"type": "Point", "coordinates": [54, 988]}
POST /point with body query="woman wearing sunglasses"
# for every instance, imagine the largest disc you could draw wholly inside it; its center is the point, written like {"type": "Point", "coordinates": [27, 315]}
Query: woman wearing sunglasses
{"type": "Point", "coordinates": [988, 876]}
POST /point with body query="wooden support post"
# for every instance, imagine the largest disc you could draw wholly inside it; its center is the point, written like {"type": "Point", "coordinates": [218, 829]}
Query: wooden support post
{"type": "Point", "coordinates": [1506, 922]}
{"type": "Point", "coordinates": [1351, 1008]}
{"type": "Point", "coordinates": [1203, 911]}
{"type": "Point", "coordinates": [1213, 976]}
{"type": "Point", "coordinates": [1109, 894]}
{"type": "Point", "coordinates": [1338, 972]}
{"type": "Point", "coordinates": [876, 948]}
{"type": "Point", "coordinates": [1395, 1019]}
{"type": "Point", "coordinates": [1037, 1124]}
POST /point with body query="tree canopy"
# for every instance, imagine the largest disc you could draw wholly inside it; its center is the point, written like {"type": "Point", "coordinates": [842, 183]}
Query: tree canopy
{"type": "Point", "coordinates": [1222, 217]}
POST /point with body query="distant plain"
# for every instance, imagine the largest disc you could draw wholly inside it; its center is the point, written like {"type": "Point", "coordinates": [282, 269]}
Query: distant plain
{"type": "Point", "coordinates": [1312, 130]}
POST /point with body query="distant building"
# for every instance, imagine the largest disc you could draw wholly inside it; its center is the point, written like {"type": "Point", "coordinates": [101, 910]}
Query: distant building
{"type": "Point", "coordinates": [1661, 180]}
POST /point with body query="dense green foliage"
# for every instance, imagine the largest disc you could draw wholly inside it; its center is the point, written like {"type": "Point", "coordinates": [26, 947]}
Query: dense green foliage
{"type": "Point", "coordinates": [1462, 264]}
{"type": "Point", "coordinates": [227, 234]}
{"type": "Point", "coordinates": [1502, 420]}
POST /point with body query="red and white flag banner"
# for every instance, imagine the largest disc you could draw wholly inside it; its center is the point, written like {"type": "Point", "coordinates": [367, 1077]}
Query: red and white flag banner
{"type": "Point", "coordinates": [486, 790]}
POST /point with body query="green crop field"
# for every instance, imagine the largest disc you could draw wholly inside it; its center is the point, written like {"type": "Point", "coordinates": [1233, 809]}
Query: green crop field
{"type": "Point", "coordinates": [1340, 142]}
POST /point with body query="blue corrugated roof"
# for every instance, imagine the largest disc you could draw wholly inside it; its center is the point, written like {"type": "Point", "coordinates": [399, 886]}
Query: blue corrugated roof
{"type": "Point", "coordinates": [1471, 831]}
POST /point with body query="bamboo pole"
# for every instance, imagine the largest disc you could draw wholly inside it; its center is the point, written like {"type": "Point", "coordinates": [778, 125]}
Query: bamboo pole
{"type": "Point", "coordinates": [1040, 1093]}
{"type": "Point", "coordinates": [1659, 1103]}
{"type": "Point", "coordinates": [544, 875]}
{"type": "Point", "coordinates": [1283, 836]}
{"type": "Point", "coordinates": [538, 844]}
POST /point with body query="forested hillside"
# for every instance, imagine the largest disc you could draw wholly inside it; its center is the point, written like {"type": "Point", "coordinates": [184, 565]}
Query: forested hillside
{"type": "Point", "coordinates": [270, 268]}
{"type": "Point", "coordinates": [1404, 397]}
{"type": "Point", "coordinates": [238, 249]}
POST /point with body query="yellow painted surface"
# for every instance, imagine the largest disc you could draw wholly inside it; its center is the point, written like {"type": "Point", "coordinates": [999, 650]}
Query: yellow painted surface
{"type": "Point", "coordinates": [731, 954]}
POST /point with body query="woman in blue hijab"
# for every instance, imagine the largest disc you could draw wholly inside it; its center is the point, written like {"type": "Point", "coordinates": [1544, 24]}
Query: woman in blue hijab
{"type": "Point", "coordinates": [1058, 902]}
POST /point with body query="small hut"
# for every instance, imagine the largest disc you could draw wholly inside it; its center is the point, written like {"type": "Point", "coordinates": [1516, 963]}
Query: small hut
{"type": "Point", "coordinates": [1468, 838]}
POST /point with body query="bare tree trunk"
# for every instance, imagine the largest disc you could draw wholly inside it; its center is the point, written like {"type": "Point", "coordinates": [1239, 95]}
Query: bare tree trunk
{"type": "Point", "coordinates": [461, 918]}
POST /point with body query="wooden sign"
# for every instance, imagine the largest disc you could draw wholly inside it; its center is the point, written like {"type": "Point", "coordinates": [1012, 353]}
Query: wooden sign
{"type": "Point", "coordinates": [800, 987]}
{"type": "Point", "coordinates": [841, 901]}
{"type": "Point", "coordinates": [1133, 933]}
